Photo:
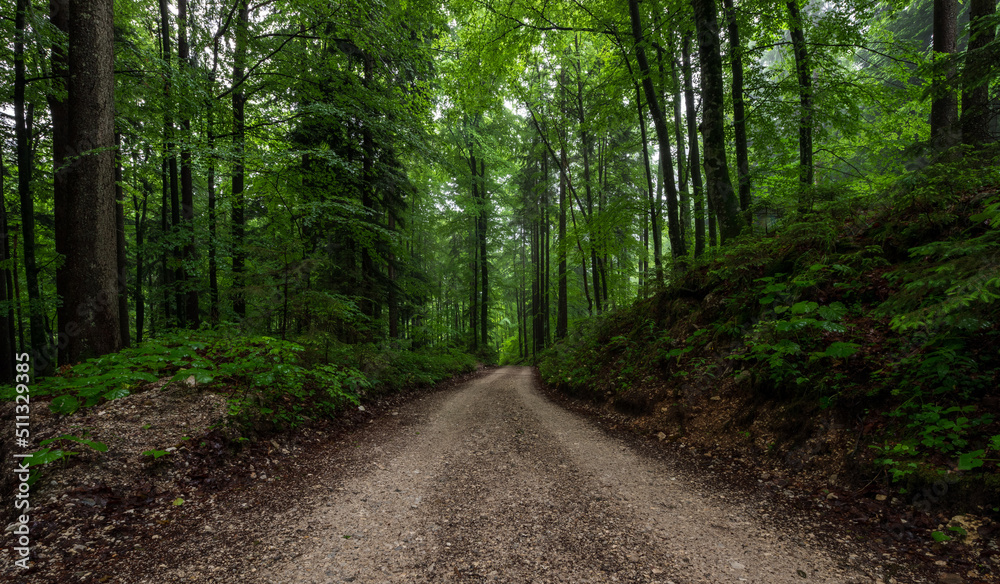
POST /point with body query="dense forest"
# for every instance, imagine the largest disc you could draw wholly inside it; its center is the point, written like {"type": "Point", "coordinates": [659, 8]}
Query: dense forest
{"type": "Point", "coordinates": [311, 200]}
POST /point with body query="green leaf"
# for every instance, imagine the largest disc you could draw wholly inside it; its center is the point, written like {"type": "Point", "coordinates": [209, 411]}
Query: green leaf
{"type": "Point", "coordinates": [971, 460]}
{"type": "Point", "coordinates": [98, 446]}
{"type": "Point", "coordinates": [804, 307]}
{"type": "Point", "coordinates": [178, 501]}
{"type": "Point", "coordinates": [201, 376]}
{"type": "Point", "coordinates": [841, 350]}
{"type": "Point", "coordinates": [64, 404]}
{"type": "Point", "coordinates": [46, 455]}
{"type": "Point", "coordinates": [155, 453]}
{"type": "Point", "coordinates": [940, 536]}
{"type": "Point", "coordinates": [116, 393]}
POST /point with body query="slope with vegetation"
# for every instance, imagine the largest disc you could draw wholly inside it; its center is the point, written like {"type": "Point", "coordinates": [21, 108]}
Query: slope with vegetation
{"type": "Point", "coordinates": [858, 344]}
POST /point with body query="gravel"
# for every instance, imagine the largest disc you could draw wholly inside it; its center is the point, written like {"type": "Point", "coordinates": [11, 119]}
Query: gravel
{"type": "Point", "coordinates": [497, 484]}
{"type": "Point", "coordinates": [485, 481]}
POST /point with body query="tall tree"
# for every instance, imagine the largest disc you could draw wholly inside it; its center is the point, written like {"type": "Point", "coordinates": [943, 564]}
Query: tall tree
{"type": "Point", "coordinates": [7, 344]}
{"type": "Point", "coordinates": [739, 109]}
{"type": "Point", "coordinates": [803, 70]}
{"type": "Point", "coordinates": [23, 122]}
{"type": "Point", "coordinates": [694, 156]}
{"type": "Point", "coordinates": [719, 186]}
{"type": "Point", "coordinates": [944, 104]}
{"type": "Point", "coordinates": [674, 233]}
{"type": "Point", "coordinates": [87, 281]}
{"type": "Point", "coordinates": [61, 153]}
{"type": "Point", "coordinates": [239, 164]}
{"type": "Point", "coordinates": [188, 284]}
{"type": "Point", "coordinates": [980, 63]}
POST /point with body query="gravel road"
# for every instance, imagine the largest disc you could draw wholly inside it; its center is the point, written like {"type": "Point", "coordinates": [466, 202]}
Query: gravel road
{"type": "Point", "coordinates": [492, 482]}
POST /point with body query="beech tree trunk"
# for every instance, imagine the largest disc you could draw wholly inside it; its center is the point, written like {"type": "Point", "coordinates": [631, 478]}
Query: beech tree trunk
{"type": "Point", "coordinates": [239, 165]}
{"type": "Point", "coordinates": [87, 281]}
{"type": "Point", "coordinates": [188, 284]}
{"type": "Point", "coordinates": [944, 105]}
{"type": "Point", "coordinates": [980, 61]}
{"type": "Point", "coordinates": [23, 123]}
{"type": "Point", "coordinates": [803, 70]}
{"type": "Point", "coordinates": [121, 258]}
{"type": "Point", "coordinates": [483, 263]}
{"type": "Point", "coordinates": [650, 190]}
{"type": "Point", "coordinates": [674, 234]}
{"type": "Point", "coordinates": [7, 345]}
{"type": "Point", "coordinates": [562, 301]}
{"type": "Point", "coordinates": [694, 156]}
{"type": "Point", "coordinates": [739, 111]}
{"type": "Point", "coordinates": [718, 184]}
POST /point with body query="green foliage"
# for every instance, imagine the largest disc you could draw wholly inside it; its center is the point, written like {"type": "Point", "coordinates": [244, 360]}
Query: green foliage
{"type": "Point", "coordinates": [49, 455]}
{"type": "Point", "coordinates": [890, 304]}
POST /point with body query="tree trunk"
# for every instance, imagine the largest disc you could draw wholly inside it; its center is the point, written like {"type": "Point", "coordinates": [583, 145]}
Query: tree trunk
{"type": "Point", "coordinates": [694, 156]}
{"type": "Point", "coordinates": [239, 166]}
{"type": "Point", "coordinates": [393, 297]}
{"type": "Point", "coordinates": [803, 70]}
{"type": "Point", "coordinates": [483, 263]}
{"type": "Point", "coordinates": [719, 185]}
{"type": "Point", "coordinates": [650, 190]}
{"type": "Point", "coordinates": [7, 345]}
{"type": "Point", "coordinates": [739, 111]}
{"type": "Point", "coordinates": [368, 276]}
{"type": "Point", "coordinates": [944, 105]}
{"type": "Point", "coordinates": [59, 112]}
{"type": "Point", "coordinates": [586, 146]}
{"type": "Point", "coordinates": [171, 184]}
{"type": "Point", "coordinates": [213, 261]}
{"type": "Point", "coordinates": [87, 280]}
{"type": "Point", "coordinates": [120, 252]}
{"type": "Point", "coordinates": [562, 301]}
{"type": "Point", "coordinates": [979, 63]}
{"type": "Point", "coordinates": [188, 284]}
{"type": "Point", "coordinates": [677, 248]}
{"type": "Point", "coordinates": [682, 163]}
{"type": "Point", "coordinates": [140, 264]}
{"type": "Point", "coordinates": [25, 169]}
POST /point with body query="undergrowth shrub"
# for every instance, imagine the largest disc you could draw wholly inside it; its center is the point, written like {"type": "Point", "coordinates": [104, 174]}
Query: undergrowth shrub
{"type": "Point", "coordinates": [888, 306]}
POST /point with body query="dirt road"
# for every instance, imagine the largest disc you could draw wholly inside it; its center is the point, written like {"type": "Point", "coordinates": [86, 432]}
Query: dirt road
{"type": "Point", "coordinates": [492, 482]}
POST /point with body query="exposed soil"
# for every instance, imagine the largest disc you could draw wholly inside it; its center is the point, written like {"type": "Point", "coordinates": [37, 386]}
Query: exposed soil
{"type": "Point", "coordinates": [486, 480]}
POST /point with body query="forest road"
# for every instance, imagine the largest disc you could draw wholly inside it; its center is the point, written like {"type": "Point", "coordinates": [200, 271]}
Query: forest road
{"type": "Point", "coordinates": [494, 483]}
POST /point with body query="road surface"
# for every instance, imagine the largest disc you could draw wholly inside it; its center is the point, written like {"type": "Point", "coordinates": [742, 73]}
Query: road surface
{"type": "Point", "coordinates": [494, 483]}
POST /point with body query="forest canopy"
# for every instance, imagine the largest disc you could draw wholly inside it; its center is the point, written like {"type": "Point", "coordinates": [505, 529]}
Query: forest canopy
{"type": "Point", "coordinates": [474, 175]}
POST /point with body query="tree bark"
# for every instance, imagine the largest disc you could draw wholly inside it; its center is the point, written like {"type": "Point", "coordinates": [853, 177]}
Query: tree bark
{"type": "Point", "coordinates": [719, 185]}
{"type": "Point", "coordinates": [59, 112]}
{"type": "Point", "coordinates": [803, 70]}
{"type": "Point", "coordinates": [25, 169]}
{"type": "Point", "coordinates": [7, 344]}
{"type": "Point", "coordinates": [239, 165]}
{"type": "Point", "coordinates": [483, 261]}
{"type": "Point", "coordinates": [979, 64]}
{"type": "Point", "coordinates": [562, 301]}
{"type": "Point", "coordinates": [140, 263]}
{"type": "Point", "coordinates": [586, 147]}
{"type": "Point", "coordinates": [213, 261]}
{"type": "Point", "coordinates": [677, 248]}
{"type": "Point", "coordinates": [694, 155]}
{"type": "Point", "coordinates": [87, 281]}
{"type": "Point", "coordinates": [120, 251]}
{"type": "Point", "coordinates": [739, 111]}
{"type": "Point", "coordinates": [944, 105]}
{"type": "Point", "coordinates": [650, 190]}
{"type": "Point", "coordinates": [188, 284]}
